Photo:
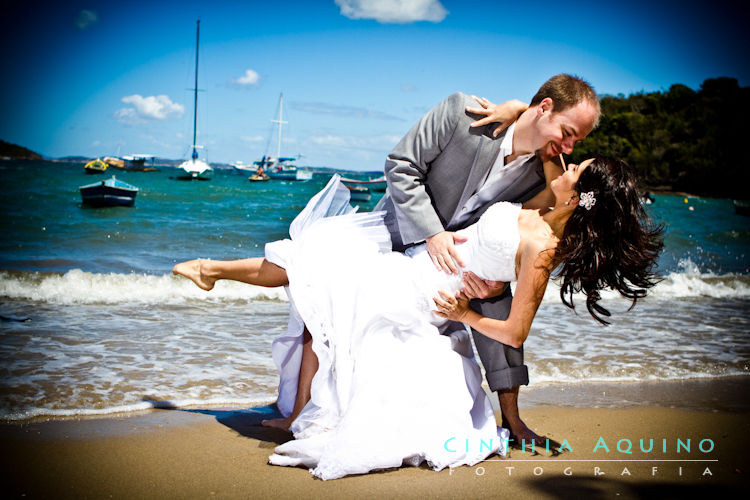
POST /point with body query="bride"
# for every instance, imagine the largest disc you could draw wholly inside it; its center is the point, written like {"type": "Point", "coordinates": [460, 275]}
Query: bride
{"type": "Point", "coordinates": [374, 374]}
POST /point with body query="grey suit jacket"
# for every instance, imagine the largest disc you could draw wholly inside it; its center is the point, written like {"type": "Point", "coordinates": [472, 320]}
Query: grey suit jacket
{"type": "Point", "coordinates": [438, 165]}
{"type": "Point", "coordinates": [431, 173]}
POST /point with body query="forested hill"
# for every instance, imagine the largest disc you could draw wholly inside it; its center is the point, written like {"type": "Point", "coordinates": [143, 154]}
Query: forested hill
{"type": "Point", "coordinates": [8, 150]}
{"type": "Point", "coordinates": [680, 139]}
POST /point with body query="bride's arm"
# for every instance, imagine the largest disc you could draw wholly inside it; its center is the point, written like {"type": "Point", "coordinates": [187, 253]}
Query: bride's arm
{"type": "Point", "coordinates": [532, 282]}
{"type": "Point", "coordinates": [504, 114]}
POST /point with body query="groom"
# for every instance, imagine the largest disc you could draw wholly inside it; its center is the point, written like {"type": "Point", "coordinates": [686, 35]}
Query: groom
{"type": "Point", "coordinates": [445, 173]}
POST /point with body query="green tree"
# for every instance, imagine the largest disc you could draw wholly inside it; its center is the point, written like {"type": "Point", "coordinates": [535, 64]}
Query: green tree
{"type": "Point", "coordinates": [680, 139]}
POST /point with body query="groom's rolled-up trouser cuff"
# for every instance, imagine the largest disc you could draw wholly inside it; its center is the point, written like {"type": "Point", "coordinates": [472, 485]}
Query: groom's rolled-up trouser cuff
{"type": "Point", "coordinates": [503, 364]}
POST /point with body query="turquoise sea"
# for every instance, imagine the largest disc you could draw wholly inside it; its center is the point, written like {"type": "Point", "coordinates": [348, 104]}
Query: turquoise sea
{"type": "Point", "coordinates": [93, 322]}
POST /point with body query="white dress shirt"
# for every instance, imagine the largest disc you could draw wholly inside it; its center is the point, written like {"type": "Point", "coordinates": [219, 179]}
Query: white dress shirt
{"type": "Point", "coordinates": [498, 178]}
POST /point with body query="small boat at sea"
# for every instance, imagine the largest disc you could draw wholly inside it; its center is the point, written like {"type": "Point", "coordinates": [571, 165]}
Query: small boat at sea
{"type": "Point", "coordinates": [194, 168]}
{"type": "Point", "coordinates": [259, 175]}
{"type": "Point", "coordinates": [242, 168]}
{"type": "Point", "coordinates": [359, 193]}
{"type": "Point", "coordinates": [97, 166]}
{"type": "Point", "coordinates": [133, 163]}
{"type": "Point", "coordinates": [115, 162]}
{"type": "Point", "coordinates": [279, 168]}
{"type": "Point", "coordinates": [282, 170]}
{"type": "Point", "coordinates": [377, 185]}
{"type": "Point", "coordinates": [137, 163]}
{"type": "Point", "coordinates": [109, 193]}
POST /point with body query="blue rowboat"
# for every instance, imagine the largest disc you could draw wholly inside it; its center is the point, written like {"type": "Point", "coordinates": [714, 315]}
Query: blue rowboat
{"type": "Point", "coordinates": [375, 185]}
{"type": "Point", "coordinates": [109, 193]}
{"type": "Point", "coordinates": [359, 193]}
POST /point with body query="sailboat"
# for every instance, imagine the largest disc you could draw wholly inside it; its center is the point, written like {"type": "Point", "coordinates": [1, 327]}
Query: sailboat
{"type": "Point", "coordinates": [280, 168]}
{"type": "Point", "coordinates": [195, 168]}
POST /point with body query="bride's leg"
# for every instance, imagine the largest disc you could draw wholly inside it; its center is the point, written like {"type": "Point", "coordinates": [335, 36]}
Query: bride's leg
{"type": "Point", "coordinates": [307, 371]}
{"type": "Point", "coordinates": [256, 271]}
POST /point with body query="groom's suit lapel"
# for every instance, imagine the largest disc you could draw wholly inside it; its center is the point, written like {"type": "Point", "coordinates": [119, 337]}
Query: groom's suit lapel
{"type": "Point", "coordinates": [528, 183]}
{"type": "Point", "coordinates": [485, 157]}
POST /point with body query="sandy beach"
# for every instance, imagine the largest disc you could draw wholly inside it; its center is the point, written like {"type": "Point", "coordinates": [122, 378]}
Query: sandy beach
{"type": "Point", "coordinates": [202, 453]}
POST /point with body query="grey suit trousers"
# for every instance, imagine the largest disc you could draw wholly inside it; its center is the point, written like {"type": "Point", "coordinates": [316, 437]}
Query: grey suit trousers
{"type": "Point", "coordinates": [503, 364]}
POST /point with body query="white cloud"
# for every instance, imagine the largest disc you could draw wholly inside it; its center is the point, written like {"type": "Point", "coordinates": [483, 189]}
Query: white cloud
{"type": "Point", "coordinates": [393, 11]}
{"type": "Point", "coordinates": [127, 116]}
{"type": "Point", "coordinates": [249, 78]}
{"type": "Point", "coordinates": [86, 18]}
{"type": "Point", "coordinates": [377, 143]}
{"type": "Point", "coordinates": [158, 107]}
{"type": "Point", "coordinates": [330, 140]}
{"type": "Point", "coordinates": [252, 139]}
{"type": "Point", "coordinates": [342, 110]}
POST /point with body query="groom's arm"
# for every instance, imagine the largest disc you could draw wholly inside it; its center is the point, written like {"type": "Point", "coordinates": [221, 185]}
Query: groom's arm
{"type": "Point", "coordinates": [408, 166]}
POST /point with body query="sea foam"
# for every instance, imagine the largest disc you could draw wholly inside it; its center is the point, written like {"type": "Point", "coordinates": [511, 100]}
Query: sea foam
{"type": "Point", "coordinates": [81, 287]}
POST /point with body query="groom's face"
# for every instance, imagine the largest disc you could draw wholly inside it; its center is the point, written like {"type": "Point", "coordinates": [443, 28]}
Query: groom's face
{"type": "Point", "coordinates": [559, 132]}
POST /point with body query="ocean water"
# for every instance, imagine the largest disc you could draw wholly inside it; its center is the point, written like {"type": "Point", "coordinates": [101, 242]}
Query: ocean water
{"type": "Point", "coordinates": [93, 322]}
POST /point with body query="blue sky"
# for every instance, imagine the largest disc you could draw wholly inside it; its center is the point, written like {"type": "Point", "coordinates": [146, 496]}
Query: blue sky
{"type": "Point", "coordinates": [87, 78]}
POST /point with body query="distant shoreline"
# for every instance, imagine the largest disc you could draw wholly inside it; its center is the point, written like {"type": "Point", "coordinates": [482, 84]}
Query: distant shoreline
{"type": "Point", "coordinates": [168, 163]}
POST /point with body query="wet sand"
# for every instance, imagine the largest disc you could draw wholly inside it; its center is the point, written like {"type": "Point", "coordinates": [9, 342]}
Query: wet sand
{"type": "Point", "coordinates": [203, 453]}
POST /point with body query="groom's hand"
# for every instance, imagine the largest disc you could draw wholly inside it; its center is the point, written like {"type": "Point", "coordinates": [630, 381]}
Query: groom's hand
{"type": "Point", "coordinates": [477, 288]}
{"type": "Point", "coordinates": [442, 250]}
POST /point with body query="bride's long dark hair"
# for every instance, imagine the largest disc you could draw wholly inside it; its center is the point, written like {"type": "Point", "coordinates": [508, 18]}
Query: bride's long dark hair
{"type": "Point", "coordinates": [614, 244]}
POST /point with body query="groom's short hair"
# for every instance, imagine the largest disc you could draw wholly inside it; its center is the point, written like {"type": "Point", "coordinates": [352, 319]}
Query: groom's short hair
{"type": "Point", "coordinates": [566, 91]}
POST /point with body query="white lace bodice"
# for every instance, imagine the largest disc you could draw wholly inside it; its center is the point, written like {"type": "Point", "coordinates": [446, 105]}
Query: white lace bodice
{"type": "Point", "coordinates": [489, 252]}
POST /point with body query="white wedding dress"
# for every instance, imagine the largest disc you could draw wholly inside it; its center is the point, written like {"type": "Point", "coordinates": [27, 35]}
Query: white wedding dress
{"type": "Point", "coordinates": [396, 384]}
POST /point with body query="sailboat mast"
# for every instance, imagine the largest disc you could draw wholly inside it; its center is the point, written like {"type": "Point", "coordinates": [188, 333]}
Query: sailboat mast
{"type": "Point", "coordinates": [195, 89]}
{"type": "Point", "coordinates": [281, 121]}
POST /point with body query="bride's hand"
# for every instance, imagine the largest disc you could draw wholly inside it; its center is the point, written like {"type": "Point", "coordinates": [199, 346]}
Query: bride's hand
{"type": "Point", "coordinates": [450, 307]}
{"type": "Point", "coordinates": [477, 288]}
{"type": "Point", "coordinates": [505, 113]}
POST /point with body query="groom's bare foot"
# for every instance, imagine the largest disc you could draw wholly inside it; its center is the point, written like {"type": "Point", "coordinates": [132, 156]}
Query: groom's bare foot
{"type": "Point", "coordinates": [524, 439]}
{"type": "Point", "coordinates": [195, 271]}
{"type": "Point", "coordinates": [278, 423]}
{"type": "Point", "coordinates": [521, 436]}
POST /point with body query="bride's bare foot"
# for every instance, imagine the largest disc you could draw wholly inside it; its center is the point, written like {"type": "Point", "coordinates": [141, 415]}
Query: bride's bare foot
{"type": "Point", "coordinates": [195, 271]}
{"type": "Point", "coordinates": [278, 423]}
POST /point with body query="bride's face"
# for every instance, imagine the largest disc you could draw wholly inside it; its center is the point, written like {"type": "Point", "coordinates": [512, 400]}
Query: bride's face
{"type": "Point", "coordinates": [563, 186]}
